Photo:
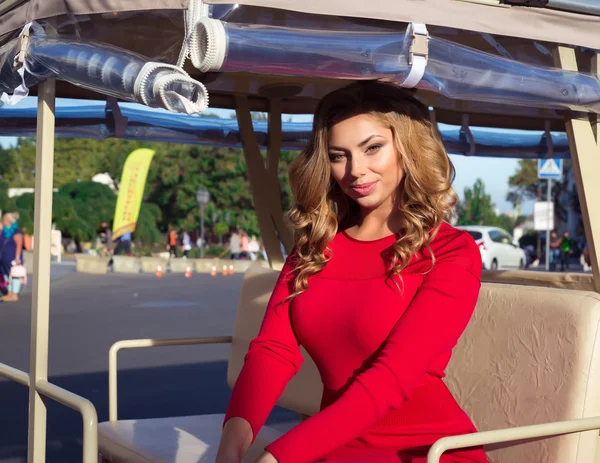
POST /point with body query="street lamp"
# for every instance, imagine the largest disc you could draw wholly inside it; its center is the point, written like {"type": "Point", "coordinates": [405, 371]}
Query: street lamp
{"type": "Point", "coordinates": [203, 197]}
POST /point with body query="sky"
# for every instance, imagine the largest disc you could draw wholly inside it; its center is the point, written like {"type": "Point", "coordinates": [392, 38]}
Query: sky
{"type": "Point", "coordinates": [493, 171]}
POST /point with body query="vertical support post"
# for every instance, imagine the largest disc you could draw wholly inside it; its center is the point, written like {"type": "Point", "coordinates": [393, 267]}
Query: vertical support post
{"type": "Point", "coordinates": [273, 157]}
{"type": "Point", "coordinates": [202, 209]}
{"type": "Point", "coordinates": [585, 155]}
{"type": "Point", "coordinates": [549, 201]}
{"type": "Point", "coordinates": [40, 308]}
{"type": "Point", "coordinates": [595, 69]}
{"type": "Point", "coordinates": [260, 186]}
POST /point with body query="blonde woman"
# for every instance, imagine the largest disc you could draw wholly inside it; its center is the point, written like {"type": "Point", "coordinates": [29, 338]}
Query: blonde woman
{"type": "Point", "coordinates": [378, 289]}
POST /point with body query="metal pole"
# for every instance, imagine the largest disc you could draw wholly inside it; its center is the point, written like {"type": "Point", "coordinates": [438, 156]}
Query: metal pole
{"type": "Point", "coordinates": [201, 230]}
{"type": "Point", "coordinates": [549, 200]}
{"type": "Point", "coordinates": [40, 307]}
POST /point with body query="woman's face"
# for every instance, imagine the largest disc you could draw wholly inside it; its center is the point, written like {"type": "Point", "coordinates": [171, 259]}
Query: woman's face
{"type": "Point", "coordinates": [365, 162]}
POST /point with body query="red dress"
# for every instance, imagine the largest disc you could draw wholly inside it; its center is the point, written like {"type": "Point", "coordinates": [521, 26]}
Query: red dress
{"type": "Point", "coordinates": [381, 346]}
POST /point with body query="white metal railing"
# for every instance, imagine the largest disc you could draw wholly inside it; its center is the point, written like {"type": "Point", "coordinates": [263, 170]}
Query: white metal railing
{"type": "Point", "coordinates": [519, 433]}
{"type": "Point", "coordinates": [60, 395]}
{"type": "Point", "coordinates": [144, 343]}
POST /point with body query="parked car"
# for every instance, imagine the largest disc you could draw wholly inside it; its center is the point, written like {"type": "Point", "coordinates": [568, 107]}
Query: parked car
{"type": "Point", "coordinates": [498, 249]}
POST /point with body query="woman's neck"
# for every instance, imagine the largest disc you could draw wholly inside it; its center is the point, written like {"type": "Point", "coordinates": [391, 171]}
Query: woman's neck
{"type": "Point", "coordinates": [375, 224]}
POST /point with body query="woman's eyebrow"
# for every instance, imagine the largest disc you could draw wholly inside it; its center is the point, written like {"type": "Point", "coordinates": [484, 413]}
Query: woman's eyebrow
{"type": "Point", "coordinates": [362, 143]}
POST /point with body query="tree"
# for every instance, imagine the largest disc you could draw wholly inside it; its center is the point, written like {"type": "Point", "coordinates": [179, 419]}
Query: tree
{"type": "Point", "coordinates": [477, 207]}
{"type": "Point", "coordinates": [525, 185]}
{"type": "Point", "coordinates": [176, 173]}
{"type": "Point", "coordinates": [80, 207]}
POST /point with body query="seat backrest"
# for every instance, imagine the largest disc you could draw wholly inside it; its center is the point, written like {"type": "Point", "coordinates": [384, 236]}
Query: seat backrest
{"type": "Point", "coordinates": [531, 355]}
{"type": "Point", "coordinates": [303, 393]}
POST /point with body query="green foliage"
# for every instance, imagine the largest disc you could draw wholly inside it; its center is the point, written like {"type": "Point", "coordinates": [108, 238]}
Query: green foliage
{"type": "Point", "coordinates": [79, 208]}
{"type": "Point", "coordinates": [525, 185]}
{"type": "Point", "coordinates": [176, 173]}
{"type": "Point", "coordinates": [221, 229]}
{"type": "Point", "coordinates": [478, 209]}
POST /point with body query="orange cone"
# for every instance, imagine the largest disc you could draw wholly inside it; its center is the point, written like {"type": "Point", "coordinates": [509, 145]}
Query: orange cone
{"type": "Point", "coordinates": [213, 271]}
{"type": "Point", "coordinates": [159, 271]}
{"type": "Point", "coordinates": [231, 272]}
{"type": "Point", "coordinates": [224, 272]}
{"type": "Point", "coordinates": [188, 272]}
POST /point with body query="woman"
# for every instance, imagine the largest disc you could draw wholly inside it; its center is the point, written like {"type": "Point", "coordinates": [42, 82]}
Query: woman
{"type": "Point", "coordinates": [378, 289]}
{"type": "Point", "coordinates": [11, 253]}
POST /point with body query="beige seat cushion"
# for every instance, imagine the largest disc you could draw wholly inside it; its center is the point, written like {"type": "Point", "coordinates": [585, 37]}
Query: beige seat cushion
{"type": "Point", "coordinates": [183, 439]}
{"type": "Point", "coordinates": [531, 355]}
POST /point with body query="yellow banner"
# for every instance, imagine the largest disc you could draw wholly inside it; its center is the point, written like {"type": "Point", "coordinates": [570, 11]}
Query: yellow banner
{"type": "Point", "coordinates": [131, 191]}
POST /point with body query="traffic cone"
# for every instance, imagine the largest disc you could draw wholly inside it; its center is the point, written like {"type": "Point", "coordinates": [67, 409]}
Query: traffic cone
{"type": "Point", "coordinates": [224, 272]}
{"type": "Point", "coordinates": [159, 271]}
{"type": "Point", "coordinates": [188, 272]}
{"type": "Point", "coordinates": [213, 272]}
{"type": "Point", "coordinates": [231, 272]}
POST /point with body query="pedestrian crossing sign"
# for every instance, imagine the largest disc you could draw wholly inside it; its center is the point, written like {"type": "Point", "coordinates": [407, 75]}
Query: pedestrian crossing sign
{"type": "Point", "coordinates": [550, 169]}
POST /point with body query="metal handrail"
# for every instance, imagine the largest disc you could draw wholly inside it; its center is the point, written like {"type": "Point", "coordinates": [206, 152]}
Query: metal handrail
{"type": "Point", "coordinates": [67, 398]}
{"type": "Point", "coordinates": [143, 343]}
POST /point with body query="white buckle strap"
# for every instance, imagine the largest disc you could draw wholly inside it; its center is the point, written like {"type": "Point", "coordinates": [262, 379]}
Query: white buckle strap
{"type": "Point", "coordinates": [417, 53]}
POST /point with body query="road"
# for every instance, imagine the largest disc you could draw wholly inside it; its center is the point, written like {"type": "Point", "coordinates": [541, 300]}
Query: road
{"type": "Point", "coordinates": [89, 313]}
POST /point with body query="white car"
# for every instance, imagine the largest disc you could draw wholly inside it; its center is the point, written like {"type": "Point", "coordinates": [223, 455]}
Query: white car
{"type": "Point", "coordinates": [498, 249]}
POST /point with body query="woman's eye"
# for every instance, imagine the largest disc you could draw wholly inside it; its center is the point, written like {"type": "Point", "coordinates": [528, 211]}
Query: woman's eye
{"type": "Point", "coordinates": [373, 148]}
{"type": "Point", "coordinates": [336, 157]}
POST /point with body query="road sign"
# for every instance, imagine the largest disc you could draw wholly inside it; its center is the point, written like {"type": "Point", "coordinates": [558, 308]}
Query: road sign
{"type": "Point", "coordinates": [550, 169]}
{"type": "Point", "coordinates": [543, 215]}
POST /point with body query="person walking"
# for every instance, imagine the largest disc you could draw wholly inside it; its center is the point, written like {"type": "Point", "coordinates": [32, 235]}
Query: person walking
{"type": "Point", "coordinates": [11, 254]}
{"type": "Point", "coordinates": [566, 250]}
{"type": "Point", "coordinates": [555, 242]}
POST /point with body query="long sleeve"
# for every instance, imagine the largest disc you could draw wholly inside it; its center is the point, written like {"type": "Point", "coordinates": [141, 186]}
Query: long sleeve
{"type": "Point", "coordinates": [429, 328]}
{"type": "Point", "coordinates": [273, 358]}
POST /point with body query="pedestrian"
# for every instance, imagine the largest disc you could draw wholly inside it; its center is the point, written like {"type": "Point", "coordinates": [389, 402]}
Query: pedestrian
{"type": "Point", "coordinates": [235, 245]}
{"type": "Point", "coordinates": [106, 241]}
{"type": "Point", "coordinates": [186, 244]}
{"type": "Point", "coordinates": [253, 248]}
{"type": "Point", "coordinates": [172, 242]}
{"type": "Point", "coordinates": [244, 244]}
{"type": "Point", "coordinates": [11, 254]}
{"type": "Point", "coordinates": [566, 251]}
{"type": "Point", "coordinates": [555, 257]}
{"type": "Point", "coordinates": [123, 244]}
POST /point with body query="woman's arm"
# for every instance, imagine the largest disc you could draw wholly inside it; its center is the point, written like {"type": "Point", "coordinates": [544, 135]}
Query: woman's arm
{"type": "Point", "coordinates": [19, 245]}
{"type": "Point", "coordinates": [235, 440]}
{"type": "Point", "coordinates": [273, 358]}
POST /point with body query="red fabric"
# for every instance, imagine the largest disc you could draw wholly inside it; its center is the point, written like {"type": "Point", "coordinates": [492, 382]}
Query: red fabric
{"type": "Point", "coordinates": [381, 347]}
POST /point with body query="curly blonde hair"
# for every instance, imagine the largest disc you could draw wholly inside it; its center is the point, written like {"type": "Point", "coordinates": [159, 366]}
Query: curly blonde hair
{"type": "Point", "coordinates": [425, 197]}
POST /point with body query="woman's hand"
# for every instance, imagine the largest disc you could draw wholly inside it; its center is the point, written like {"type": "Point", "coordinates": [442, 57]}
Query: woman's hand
{"type": "Point", "coordinates": [266, 458]}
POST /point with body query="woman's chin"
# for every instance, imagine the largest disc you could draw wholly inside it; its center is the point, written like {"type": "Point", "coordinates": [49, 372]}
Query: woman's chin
{"type": "Point", "coordinates": [369, 202]}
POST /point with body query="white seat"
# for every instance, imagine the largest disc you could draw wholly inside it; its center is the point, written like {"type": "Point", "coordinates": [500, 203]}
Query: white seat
{"type": "Point", "coordinates": [182, 439]}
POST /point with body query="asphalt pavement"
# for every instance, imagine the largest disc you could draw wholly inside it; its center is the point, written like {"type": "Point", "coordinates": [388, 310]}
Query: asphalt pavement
{"type": "Point", "coordinates": [88, 314]}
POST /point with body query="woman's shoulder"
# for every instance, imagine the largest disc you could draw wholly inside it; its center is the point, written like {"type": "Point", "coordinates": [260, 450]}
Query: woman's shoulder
{"type": "Point", "coordinates": [452, 244]}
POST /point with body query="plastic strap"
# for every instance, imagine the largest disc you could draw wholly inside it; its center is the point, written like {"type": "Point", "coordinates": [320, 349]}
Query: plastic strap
{"type": "Point", "coordinates": [418, 53]}
{"type": "Point", "coordinates": [21, 91]}
{"type": "Point", "coordinates": [549, 141]}
{"type": "Point", "coordinates": [467, 130]}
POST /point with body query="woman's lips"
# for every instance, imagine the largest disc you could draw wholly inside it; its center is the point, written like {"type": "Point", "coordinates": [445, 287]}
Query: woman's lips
{"type": "Point", "coordinates": [364, 189]}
